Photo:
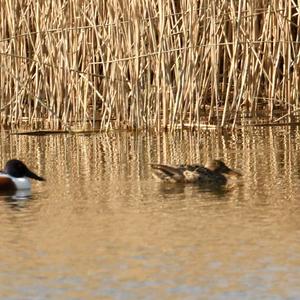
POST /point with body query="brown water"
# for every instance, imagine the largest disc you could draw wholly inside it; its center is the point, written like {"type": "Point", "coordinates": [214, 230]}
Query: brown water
{"type": "Point", "coordinates": [101, 228]}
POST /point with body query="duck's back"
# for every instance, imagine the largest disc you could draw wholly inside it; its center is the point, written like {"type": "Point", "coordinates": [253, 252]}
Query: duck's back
{"type": "Point", "coordinates": [194, 173]}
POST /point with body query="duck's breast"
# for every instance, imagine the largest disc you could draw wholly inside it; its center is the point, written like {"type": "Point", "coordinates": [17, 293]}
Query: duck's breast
{"type": "Point", "coordinates": [8, 182]}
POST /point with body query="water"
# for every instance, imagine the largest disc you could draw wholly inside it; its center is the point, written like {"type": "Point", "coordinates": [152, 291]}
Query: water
{"type": "Point", "coordinates": [101, 228]}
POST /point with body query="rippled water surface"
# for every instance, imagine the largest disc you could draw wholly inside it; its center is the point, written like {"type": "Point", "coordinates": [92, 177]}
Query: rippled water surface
{"type": "Point", "coordinates": [100, 227]}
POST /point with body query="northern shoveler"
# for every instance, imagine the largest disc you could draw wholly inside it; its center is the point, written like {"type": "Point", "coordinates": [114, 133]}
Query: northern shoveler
{"type": "Point", "coordinates": [215, 172]}
{"type": "Point", "coordinates": [15, 176]}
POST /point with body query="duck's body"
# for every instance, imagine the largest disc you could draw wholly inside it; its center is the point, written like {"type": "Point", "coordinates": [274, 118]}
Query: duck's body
{"type": "Point", "coordinates": [215, 172]}
{"type": "Point", "coordinates": [15, 176]}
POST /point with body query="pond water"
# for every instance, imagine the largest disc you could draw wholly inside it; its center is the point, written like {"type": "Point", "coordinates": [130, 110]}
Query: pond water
{"type": "Point", "coordinates": [101, 227]}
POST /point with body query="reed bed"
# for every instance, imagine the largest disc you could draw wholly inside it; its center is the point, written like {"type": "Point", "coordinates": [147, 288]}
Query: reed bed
{"type": "Point", "coordinates": [140, 64]}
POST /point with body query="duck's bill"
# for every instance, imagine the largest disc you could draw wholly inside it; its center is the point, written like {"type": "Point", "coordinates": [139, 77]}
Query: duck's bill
{"type": "Point", "coordinates": [34, 176]}
{"type": "Point", "coordinates": [235, 173]}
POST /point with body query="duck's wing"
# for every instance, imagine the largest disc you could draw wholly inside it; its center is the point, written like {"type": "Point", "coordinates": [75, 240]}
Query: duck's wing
{"type": "Point", "coordinates": [180, 173]}
{"type": "Point", "coordinates": [168, 173]}
{"type": "Point", "coordinates": [202, 175]}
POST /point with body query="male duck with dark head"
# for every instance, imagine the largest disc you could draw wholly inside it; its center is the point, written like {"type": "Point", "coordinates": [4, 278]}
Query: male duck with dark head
{"type": "Point", "coordinates": [15, 176]}
{"type": "Point", "coordinates": [215, 172]}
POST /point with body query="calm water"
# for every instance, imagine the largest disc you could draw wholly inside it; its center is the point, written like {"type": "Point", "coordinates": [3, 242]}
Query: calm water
{"type": "Point", "coordinates": [101, 228]}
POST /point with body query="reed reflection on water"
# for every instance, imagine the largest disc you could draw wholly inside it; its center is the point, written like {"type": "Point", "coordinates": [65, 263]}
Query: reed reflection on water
{"type": "Point", "coordinates": [100, 226]}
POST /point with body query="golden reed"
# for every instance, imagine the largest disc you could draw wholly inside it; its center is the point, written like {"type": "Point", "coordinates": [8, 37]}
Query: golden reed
{"type": "Point", "coordinates": [161, 64]}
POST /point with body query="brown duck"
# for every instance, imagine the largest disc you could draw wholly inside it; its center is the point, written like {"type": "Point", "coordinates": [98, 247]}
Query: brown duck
{"type": "Point", "coordinates": [215, 172]}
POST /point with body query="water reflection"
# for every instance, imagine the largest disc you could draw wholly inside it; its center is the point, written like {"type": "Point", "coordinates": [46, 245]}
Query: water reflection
{"type": "Point", "coordinates": [101, 227]}
{"type": "Point", "coordinates": [181, 189]}
{"type": "Point", "coordinates": [16, 195]}
{"type": "Point", "coordinates": [16, 199]}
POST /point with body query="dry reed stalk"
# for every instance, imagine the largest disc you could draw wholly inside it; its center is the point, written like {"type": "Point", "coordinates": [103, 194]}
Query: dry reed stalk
{"type": "Point", "coordinates": [147, 64]}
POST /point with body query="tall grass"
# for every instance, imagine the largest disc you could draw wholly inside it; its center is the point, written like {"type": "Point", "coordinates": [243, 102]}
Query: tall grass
{"type": "Point", "coordinates": [159, 64]}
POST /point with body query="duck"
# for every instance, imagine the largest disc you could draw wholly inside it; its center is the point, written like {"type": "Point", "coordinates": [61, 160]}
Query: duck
{"type": "Point", "coordinates": [214, 172]}
{"type": "Point", "coordinates": [15, 176]}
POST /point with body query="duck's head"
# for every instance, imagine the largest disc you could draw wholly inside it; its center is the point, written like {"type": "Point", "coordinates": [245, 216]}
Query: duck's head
{"type": "Point", "coordinates": [18, 169]}
{"type": "Point", "coordinates": [218, 166]}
